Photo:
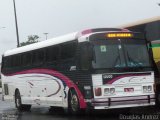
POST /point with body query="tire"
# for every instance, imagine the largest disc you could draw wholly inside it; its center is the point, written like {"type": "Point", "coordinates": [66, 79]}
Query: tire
{"type": "Point", "coordinates": [18, 102]}
{"type": "Point", "coordinates": [73, 103]}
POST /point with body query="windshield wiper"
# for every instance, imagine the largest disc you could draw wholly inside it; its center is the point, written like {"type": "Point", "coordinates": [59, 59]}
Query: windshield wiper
{"type": "Point", "coordinates": [116, 60]}
{"type": "Point", "coordinates": [133, 63]}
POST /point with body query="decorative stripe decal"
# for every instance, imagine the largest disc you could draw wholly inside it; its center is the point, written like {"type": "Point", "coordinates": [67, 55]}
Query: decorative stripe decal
{"type": "Point", "coordinates": [60, 76]}
{"type": "Point", "coordinates": [59, 86]}
{"type": "Point", "coordinates": [31, 83]}
{"type": "Point", "coordinates": [122, 76]}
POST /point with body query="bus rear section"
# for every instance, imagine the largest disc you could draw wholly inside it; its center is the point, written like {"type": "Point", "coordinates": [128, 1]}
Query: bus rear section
{"type": "Point", "coordinates": [123, 90]}
{"type": "Point", "coordinates": [122, 72]}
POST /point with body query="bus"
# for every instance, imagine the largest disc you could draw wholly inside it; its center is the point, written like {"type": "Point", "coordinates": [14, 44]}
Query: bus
{"type": "Point", "coordinates": [101, 68]}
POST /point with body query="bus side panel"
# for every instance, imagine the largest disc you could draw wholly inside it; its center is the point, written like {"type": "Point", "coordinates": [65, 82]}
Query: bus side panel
{"type": "Point", "coordinates": [34, 88]}
{"type": "Point", "coordinates": [52, 83]}
{"type": "Point", "coordinates": [10, 84]}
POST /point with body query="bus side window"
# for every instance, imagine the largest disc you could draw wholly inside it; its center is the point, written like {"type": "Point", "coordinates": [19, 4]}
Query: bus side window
{"type": "Point", "coordinates": [26, 59]}
{"type": "Point", "coordinates": [9, 61]}
{"type": "Point", "coordinates": [16, 61]}
{"type": "Point", "coordinates": [37, 57]}
{"type": "Point", "coordinates": [85, 56]}
{"type": "Point", "coordinates": [5, 63]}
{"type": "Point", "coordinates": [67, 56]}
{"type": "Point", "coordinates": [52, 54]}
{"type": "Point", "coordinates": [68, 50]}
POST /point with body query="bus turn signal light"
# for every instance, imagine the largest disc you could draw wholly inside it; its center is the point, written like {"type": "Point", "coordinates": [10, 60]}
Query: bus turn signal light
{"type": "Point", "coordinates": [98, 91]}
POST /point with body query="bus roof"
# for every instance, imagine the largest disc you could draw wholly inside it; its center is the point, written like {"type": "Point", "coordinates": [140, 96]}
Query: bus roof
{"type": "Point", "coordinates": [41, 44]}
{"type": "Point", "coordinates": [58, 40]}
{"type": "Point", "coordinates": [140, 22]}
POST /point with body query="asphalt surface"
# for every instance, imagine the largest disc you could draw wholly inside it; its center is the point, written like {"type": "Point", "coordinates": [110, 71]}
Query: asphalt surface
{"type": "Point", "coordinates": [9, 112]}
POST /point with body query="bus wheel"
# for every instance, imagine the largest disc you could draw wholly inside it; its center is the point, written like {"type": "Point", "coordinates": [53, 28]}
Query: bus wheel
{"type": "Point", "coordinates": [18, 102]}
{"type": "Point", "coordinates": [73, 103]}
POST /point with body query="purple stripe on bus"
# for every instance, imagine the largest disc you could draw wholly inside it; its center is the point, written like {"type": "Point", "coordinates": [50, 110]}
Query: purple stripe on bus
{"type": "Point", "coordinates": [128, 75]}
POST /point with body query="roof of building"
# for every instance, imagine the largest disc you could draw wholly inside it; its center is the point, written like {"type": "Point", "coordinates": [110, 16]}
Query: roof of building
{"type": "Point", "coordinates": [139, 22]}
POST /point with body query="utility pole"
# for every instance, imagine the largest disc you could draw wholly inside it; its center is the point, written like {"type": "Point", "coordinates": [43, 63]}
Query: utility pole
{"type": "Point", "coordinates": [45, 35]}
{"type": "Point", "coordinates": [16, 23]}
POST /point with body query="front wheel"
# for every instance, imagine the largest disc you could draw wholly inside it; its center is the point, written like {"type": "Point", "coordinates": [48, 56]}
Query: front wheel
{"type": "Point", "coordinates": [18, 102]}
{"type": "Point", "coordinates": [73, 103]}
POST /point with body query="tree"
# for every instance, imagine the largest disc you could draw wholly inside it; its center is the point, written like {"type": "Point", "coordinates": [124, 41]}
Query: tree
{"type": "Point", "coordinates": [31, 39]}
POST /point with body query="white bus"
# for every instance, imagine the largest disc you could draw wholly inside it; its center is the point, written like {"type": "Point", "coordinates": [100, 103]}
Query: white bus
{"type": "Point", "coordinates": [103, 68]}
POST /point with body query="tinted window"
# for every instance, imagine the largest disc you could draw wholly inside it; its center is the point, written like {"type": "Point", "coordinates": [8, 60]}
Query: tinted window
{"type": "Point", "coordinates": [26, 59]}
{"type": "Point", "coordinates": [16, 60]}
{"type": "Point", "coordinates": [5, 62]}
{"type": "Point", "coordinates": [37, 56]}
{"type": "Point", "coordinates": [52, 53]}
{"type": "Point", "coordinates": [85, 55]}
{"type": "Point", "coordinates": [68, 50]}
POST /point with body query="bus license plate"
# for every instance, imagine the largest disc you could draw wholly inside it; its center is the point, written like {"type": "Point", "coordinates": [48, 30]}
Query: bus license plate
{"type": "Point", "coordinates": [128, 89]}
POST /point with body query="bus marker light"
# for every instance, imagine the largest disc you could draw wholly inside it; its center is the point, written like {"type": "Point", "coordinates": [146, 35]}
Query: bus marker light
{"type": "Point", "coordinates": [117, 35]}
{"type": "Point", "coordinates": [109, 91]}
{"type": "Point", "coordinates": [106, 90]}
{"type": "Point", "coordinates": [147, 88]}
{"type": "Point", "coordinates": [144, 88]}
{"type": "Point", "coordinates": [112, 90]}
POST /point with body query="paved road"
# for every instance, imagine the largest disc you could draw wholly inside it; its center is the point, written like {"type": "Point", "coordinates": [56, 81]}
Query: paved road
{"type": "Point", "coordinates": [8, 112]}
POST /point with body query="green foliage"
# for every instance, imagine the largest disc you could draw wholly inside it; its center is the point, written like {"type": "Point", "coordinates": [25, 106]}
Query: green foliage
{"type": "Point", "coordinates": [31, 39]}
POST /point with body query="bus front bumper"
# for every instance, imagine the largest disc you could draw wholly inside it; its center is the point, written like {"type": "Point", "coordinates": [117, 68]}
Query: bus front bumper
{"type": "Point", "coordinates": [123, 102]}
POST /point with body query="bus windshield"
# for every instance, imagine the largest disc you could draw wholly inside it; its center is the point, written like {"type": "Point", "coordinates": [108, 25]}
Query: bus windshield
{"type": "Point", "coordinates": [120, 53]}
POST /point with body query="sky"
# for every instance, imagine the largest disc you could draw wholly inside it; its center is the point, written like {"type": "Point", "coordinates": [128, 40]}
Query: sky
{"type": "Point", "coordinates": [59, 17]}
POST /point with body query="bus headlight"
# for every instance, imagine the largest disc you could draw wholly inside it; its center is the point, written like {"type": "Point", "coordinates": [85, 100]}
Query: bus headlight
{"type": "Point", "coordinates": [147, 88]}
{"type": "Point", "coordinates": [109, 90]}
{"type": "Point", "coordinates": [144, 88]}
{"type": "Point", "coordinates": [106, 91]}
{"type": "Point", "coordinates": [112, 90]}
